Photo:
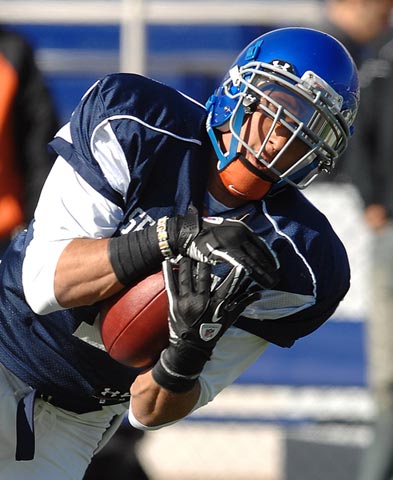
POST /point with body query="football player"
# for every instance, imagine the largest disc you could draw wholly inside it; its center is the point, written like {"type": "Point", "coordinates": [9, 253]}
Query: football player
{"type": "Point", "coordinates": [140, 170]}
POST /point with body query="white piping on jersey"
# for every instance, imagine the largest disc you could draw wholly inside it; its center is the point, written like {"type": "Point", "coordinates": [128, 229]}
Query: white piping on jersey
{"type": "Point", "coordinates": [192, 100]}
{"type": "Point", "coordinates": [90, 89]}
{"type": "Point", "coordinates": [281, 233]}
{"type": "Point", "coordinates": [136, 119]}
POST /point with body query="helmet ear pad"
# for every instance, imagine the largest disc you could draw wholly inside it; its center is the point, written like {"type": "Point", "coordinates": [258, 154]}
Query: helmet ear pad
{"type": "Point", "coordinates": [243, 180]}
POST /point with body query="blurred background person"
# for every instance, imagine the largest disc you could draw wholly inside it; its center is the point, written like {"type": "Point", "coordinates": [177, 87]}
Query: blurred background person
{"type": "Point", "coordinates": [356, 23]}
{"type": "Point", "coordinates": [372, 174]}
{"type": "Point", "coordinates": [359, 25]}
{"type": "Point", "coordinates": [28, 121]}
{"type": "Point", "coordinates": [364, 26]}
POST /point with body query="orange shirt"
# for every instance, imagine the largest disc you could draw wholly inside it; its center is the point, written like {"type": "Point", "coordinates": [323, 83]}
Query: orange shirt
{"type": "Point", "coordinates": [11, 211]}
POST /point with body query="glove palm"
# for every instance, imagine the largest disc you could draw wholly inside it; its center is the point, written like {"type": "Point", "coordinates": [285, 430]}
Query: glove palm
{"type": "Point", "coordinates": [198, 317]}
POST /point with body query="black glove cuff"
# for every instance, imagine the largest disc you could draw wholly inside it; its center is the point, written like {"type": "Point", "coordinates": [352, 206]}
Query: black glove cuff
{"type": "Point", "coordinates": [170, 380]}
{"type": "Point", "coordinates": [186, 357]}
{"type": "Point", "coordinates": [182, 230]}
{"type": "Point", "coordinates": [190, 228]}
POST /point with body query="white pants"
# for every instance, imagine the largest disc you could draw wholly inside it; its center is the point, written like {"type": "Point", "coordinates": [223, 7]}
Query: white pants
{"type": "Point", "coordinates": [64, 441]}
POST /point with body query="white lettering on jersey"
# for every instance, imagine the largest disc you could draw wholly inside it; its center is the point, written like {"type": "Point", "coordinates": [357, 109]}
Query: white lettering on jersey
{"type": "Point", "coordinates": [138, 220]}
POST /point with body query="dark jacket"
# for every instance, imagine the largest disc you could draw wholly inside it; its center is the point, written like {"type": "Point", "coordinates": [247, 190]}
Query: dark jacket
{"type": "Point", "coordinates": [371, 165]}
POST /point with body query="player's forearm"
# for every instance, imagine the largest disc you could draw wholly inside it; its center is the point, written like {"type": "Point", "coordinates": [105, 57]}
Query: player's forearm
{"type": "Point", "coordinates": [153, 406]}
{"type": "Point", "coordinates": [84, 273]}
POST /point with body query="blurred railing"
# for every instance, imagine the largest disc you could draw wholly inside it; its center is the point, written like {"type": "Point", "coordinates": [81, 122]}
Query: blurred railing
{"type": "Point", "coordinates": [134, 15]}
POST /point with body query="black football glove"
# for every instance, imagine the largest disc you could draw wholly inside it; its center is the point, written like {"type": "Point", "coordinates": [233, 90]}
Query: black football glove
{"type": "Point", "coordinates": [198, 317]}
{"type": "Point", "coordinates": [216, 239]}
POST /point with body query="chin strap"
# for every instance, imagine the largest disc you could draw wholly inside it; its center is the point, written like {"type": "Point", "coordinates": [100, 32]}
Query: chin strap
{"type": "Point", "coordinates": [256, 171]}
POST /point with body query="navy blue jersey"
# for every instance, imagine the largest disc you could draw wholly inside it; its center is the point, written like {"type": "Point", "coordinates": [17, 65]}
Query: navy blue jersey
{"type": "Point", "coordinates": [134, 151]}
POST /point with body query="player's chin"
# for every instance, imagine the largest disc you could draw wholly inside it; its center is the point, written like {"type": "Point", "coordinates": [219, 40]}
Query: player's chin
{"type": "Point", "coordinates": [244, 183]}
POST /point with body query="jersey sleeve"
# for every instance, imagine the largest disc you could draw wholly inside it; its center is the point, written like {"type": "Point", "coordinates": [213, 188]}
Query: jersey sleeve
{"type": "Point", "coordinates": [233, 354]}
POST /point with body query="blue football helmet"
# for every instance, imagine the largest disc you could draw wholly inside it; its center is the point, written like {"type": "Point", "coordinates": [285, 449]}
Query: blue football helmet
{"type": "Point", "coordinates": [302, 79]}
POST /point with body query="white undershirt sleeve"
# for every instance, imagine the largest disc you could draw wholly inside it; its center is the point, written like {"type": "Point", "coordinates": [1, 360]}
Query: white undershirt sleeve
{"type": "Point", "coordinates": [70, 208]}
{"type": "Point", "coordinates": [234, 353]}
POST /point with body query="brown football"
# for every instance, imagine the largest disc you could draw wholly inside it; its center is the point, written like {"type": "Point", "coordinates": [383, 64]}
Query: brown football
{"type": "Point", "coordinates": [134, 323]}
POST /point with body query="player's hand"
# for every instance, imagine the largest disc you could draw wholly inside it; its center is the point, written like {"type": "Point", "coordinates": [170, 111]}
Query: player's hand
{"type": "Point", "coordinates": [198, 317]}
{"type": "Point", "coordinates": [216, 239]}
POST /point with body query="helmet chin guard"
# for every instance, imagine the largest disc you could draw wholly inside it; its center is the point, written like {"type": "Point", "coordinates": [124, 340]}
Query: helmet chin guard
{"type": "Point", "coordinates": [242, 181]}
{"type": "Point", "coordinates": [299, 78]}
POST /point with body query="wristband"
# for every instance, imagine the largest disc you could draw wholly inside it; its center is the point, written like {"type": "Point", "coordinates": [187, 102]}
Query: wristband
{"type": "Point", "coordinates": [163, 239]}
{"type": "Point", "coordinates": [135, 255]}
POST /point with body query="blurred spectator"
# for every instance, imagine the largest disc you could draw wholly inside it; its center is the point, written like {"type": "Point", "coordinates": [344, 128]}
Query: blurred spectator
{"type": "Point", "coordinates": [362, 25]}
{"type": "Point", "coordinates": [358, 24]}
{"type": "Point", "coordinates": [373, 176]}
{"type": "Point", "coordinates": [27, 122]}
